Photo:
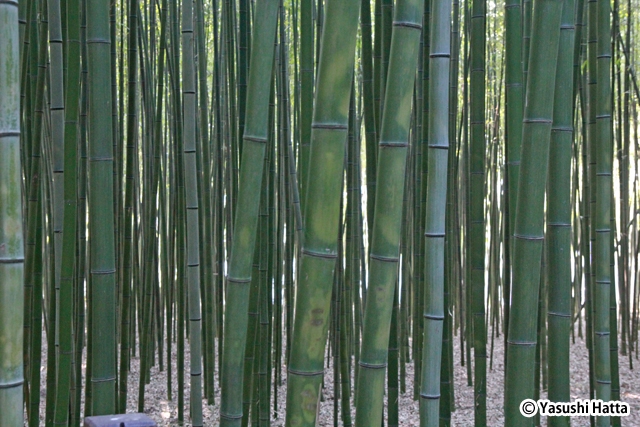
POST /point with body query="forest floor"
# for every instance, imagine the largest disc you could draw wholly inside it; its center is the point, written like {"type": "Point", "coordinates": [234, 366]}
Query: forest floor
{"type": "Point", "coordinates": [164, 411]}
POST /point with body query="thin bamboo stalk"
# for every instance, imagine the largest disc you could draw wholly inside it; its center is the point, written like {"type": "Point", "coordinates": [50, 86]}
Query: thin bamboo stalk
{"type": "Point", "coordinates": [248, 200]}
{"type": "Point", "coordinates": [528, 231]}
{"type": "Point", "coordinates": [435, 207]}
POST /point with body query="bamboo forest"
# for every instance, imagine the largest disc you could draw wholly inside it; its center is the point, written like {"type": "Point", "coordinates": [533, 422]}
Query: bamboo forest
{"type": "Point", "coordinates": [319, 213]}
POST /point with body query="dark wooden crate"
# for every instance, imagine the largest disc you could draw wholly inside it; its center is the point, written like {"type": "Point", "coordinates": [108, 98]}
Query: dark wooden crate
{"type": "Point", "coordinates": [120, 420]}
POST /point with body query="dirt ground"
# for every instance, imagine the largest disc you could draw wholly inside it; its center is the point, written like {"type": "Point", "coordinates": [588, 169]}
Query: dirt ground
{"type": "Point", "coordinates": [164, 412]}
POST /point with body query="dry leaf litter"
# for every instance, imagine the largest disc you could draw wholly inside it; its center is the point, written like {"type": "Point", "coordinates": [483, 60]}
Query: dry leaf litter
{"type": "Point", "coordinates": [165, 413]}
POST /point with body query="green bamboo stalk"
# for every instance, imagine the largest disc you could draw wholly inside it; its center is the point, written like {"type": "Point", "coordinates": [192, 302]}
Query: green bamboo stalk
{"type": "Point", "coordinates": [128, 261]}
{"type": "Point", "coordinates": [82, 209]}
{"type": "Point", "coordinates": [422, 160]}
{"type": "Point", "coordinates": [559, 218]}
{"type": "Point", "coordinates": [65, 358]}
{"type": "Point", "coordinates": [234, 141]}
{"type": "Point", "coordinates": [591, 192]}
{"type": "Point", "coordinates": [306, 91]}
{"type": "Point", "coordinates": [602, 224]}
{"type": "Point", "coordinates": [528, 235]}
{"type": "Point", "coordinates": [345, 320]}
{"type": "Point", "coordinates": [28, 53]}
{"type": "Point", "coordinates": [393, 359]}
{"type": "Point", "coordinates": [244, 230]}
{"type": "Point", "coordinates": [50, 307]}
{"type": "Point", "coordinates": [417, 250]}
{"type": "Point", "coordinates": [477, 236]}
{"type": "Point", "coordinates": [446, 366]}
{"type": "Point", "coordinates": [613, 322]}
{"type": "Point", "coordinates": [115, 118]}
{"type": "Point", "coordinates": [386, 27]}
{"type": "Point", "coordinates": [321, 214]}
{"type": "Point", "coordinates": [514, 92]}
{"type": "Point", "coordinates": [527, 22]}
{"type": "Point", "coordinates": [12, 255]}
{"type": "Point", "coordinates": [262, 396]}
{"type": "Point", "coordinates": [101, 217]}
{"type": "Point", "coordinates": [260, 416]}
{"type": "Point", "coordinates": [283, 138]}
{"type": "Point", "coordinates": [205, 193]}
{"type": "Point", "coordinates": [465, 151]}
{"type": "Point", "coordinates": [624, 202]}
{"type": "Point", "coordinates": [405, 277]}
{"type": "Point", "coordinates": [435, 207]}
{"type": "Point", "coordinates": [251, 341]}
{"type": "Point", "coordinates": [74, 126]}
{"type": "Point", "coordinates": [369, 112]}
{"type": "Point", "coordinates": [33, 299]}
{"type": "Point", "coordinates": [192, 213]}
{"type": "Point", "coordinates": [377, 67]}
{"type": "Point", "coordinates": [243, 63]}
{"type": "Point", "coordinates": [56, 117]}
{"type": "Point", "coordinates": [387, 223]}
{"type": "Point", "coordinates": [178, 237]}
{"type": "Point", "coordinates": [33, 263]}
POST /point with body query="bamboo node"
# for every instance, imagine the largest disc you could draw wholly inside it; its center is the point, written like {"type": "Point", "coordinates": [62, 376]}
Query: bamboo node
{"type": "Point", "coordinates": [305, 373]}
{"type": "Point", "coordinates": [319, 254]}
{"type": "Point", "coordinates": [522, 343]}
{"type": "Point", "coordinates": [238, 280]}
{"type": "Point", "coordinates": [257, 139]}
{"type": "Point", "coordinates": [103, 272]}
{"type": "Point", "coordinates": [556, 314]}
{"type": "Point", "coordinates": [537, 121]}
{"type": "Point", "coordinates": [102, 380]}
{"type": "Point", "coordinates": [389, 144]}
{"type": "Point", "coordinates": [9, 133]}
{"type": "Point", "coordinates": [19, 260]}
{"type": "Point", "coordinates": [406, 24]}
{"type": "Point", "coordinates": [231, 416]}
{"type": "Point", "coordinates": [562, 129]}
{"type": "Point", "coordinates": [524, 237]}
{"type": "Point", "coordinates": [13, 384]}
{"type": "Point", "coordinates": [98, 41]}
{"type": "Point", "coordinates": [372, 365]}
{"type": "Point", "coordinates": [328, 126]}
{"type": "Point", "coordinates": [429, 396]}
{"type": "Point", "coordinates": [384, 258]}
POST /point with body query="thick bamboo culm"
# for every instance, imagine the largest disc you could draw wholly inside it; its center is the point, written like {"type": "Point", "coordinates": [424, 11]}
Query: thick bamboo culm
{"type": "Point", "coordinates": [12, 253]}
